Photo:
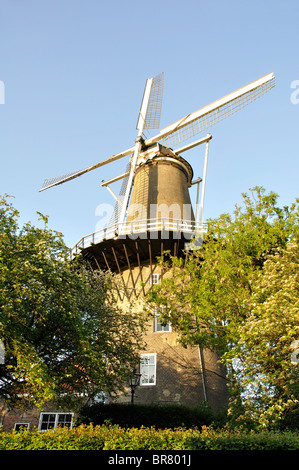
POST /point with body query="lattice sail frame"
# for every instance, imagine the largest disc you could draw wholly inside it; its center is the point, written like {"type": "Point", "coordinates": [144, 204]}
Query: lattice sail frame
{"type": "Point", "coordinates": [153, 114]}
{"type": "Point", "coordinates": [117, 208]}
{"type": "Point", "coordinates": [63, 178]}
{"type": "Point", "coordinates": [48, 183]}
{"type": "Point", "coordinates": [185, 132]}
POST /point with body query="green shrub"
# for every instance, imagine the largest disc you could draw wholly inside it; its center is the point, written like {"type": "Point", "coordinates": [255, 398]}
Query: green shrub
{"type": "Point", "coordinates": [116, 438]}
{"type": "Point", "coordinates": [210, 439]}
{"type": "Point", "coordinates": [160, 416]}
{"type": "Point", "coordinates": [149, 439]}
{"type": "Point", "coordinates": [79, 438]}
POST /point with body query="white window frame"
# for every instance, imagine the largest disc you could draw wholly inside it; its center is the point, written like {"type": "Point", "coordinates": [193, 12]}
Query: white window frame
{"type": "Point", "coordinates": [56, 421]}
{"type": "Point", "coordinates": [157, 323]}
{"type": "Point", "coordinates": [25, 425]}
{"type": "Point", "coordinates": [145, 367]}
{"type": "Point", "coordinates": [155, 279]}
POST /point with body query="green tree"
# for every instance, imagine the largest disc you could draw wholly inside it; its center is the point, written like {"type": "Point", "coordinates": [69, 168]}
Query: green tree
{"type": "Point", "coordinates": [268, 377]}
{"type": "Point", "coordinates": [64, 337]}
{"type": "Point", "coordinates": [207, 294]}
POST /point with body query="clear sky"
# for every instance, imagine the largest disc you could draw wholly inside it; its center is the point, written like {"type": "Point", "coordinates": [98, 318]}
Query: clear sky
{"type": "Point", "coordinates": [74, 73]}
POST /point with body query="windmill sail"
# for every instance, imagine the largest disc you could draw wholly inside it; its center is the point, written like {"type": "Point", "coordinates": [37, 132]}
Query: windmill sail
{"type": "Point", "coordinates": [206, 117]}
{"type": "Point", "coordinates": [117, 208]}
{"type": "Point", "coordinates": [151, 104]}
{"type": "Point", "coordinates": [48, 183]}
{"type": "Point", "coordinates": [153, 114]}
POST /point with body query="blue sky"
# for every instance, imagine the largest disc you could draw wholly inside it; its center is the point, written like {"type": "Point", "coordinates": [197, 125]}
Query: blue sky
{"type": "Point", "coordinates": [74, 73]}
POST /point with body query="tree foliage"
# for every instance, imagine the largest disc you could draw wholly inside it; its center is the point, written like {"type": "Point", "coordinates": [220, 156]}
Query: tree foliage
{"type": "Point", "coordinates": [264, 350]}
{"type": "Point", "coordinates": [64, 337]}
{"type": "Point", "coordinates": [208, 296]}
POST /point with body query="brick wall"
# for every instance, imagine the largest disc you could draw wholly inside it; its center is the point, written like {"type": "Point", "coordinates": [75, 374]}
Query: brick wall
{"type": "Point", "coordinates": [8, 418]}
{"type": "Point", "coordinates": [186, 376]}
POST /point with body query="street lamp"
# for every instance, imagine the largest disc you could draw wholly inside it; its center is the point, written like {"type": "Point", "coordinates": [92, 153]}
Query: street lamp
{"type": "Point", "coordinates": [134, 382]}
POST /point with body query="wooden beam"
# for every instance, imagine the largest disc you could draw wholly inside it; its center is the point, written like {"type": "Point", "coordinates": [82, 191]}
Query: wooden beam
{"type": "Point", "coordinates": [106, 262]}
{"type": "Point", "coordinates": [140, 267]}
{"type": "Point", "coordinates": [90, 265]}
{"type": "Point", "coordinates": [109, 257]}
{"type": "Point", "coordinates": [119, 271]}
{"type": "Point", "coordinates": [129, 264]}
{"type": "Point", "coordinates": [151, 261]}
{"type": "Point", "coordinates": [144, 255]}
{"type": "Point", "coordinates": [175, 248]}
{"type": "Point", "coordinates": [109, 269]}
{"type": "Point", "coordinates": [162, 250]}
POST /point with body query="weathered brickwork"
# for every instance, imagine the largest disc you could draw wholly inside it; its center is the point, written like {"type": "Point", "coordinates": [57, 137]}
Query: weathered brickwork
{"type": "Point", "coordinates": [187, 376]}
{"type": "Point", "coordinates": [9, 418]}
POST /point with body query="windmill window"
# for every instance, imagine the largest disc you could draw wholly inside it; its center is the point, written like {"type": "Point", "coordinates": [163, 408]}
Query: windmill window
{"type": "Point", "coordinates": [154, 279]}
{"type": "Point", "coordinates": [52, 420]}
{"type": "Point", "coordinates": [21, 426]}
{"type": "Point", "coordinates": [148, 369]}
{"type": "Point", "coordinates": [158, 327]}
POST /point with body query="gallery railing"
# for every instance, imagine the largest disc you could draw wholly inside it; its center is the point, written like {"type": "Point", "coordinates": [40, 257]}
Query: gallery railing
{"type": "Point", "coordinates": [143, 229]}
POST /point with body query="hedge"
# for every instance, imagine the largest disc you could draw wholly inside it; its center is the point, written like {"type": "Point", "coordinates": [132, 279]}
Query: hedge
{"type": "Point", "coordinates": [160, 416]}
{"type": "Point", "coordinates": [116, 438]}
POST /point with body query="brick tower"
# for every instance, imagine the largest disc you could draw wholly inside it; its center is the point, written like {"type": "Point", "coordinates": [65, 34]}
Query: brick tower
{"type": "Point", "coordinates": [160, 217]}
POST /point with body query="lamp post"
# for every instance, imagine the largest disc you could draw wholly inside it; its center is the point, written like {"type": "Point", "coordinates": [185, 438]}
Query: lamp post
{"type": "Point", "coordinates": [134, 382]}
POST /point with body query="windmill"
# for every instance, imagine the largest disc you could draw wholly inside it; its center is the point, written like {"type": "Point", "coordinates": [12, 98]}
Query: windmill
{"type": "Point", "coordinates": [170, 136]}
{"type": "Point", "coordinates": [157, 181]}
